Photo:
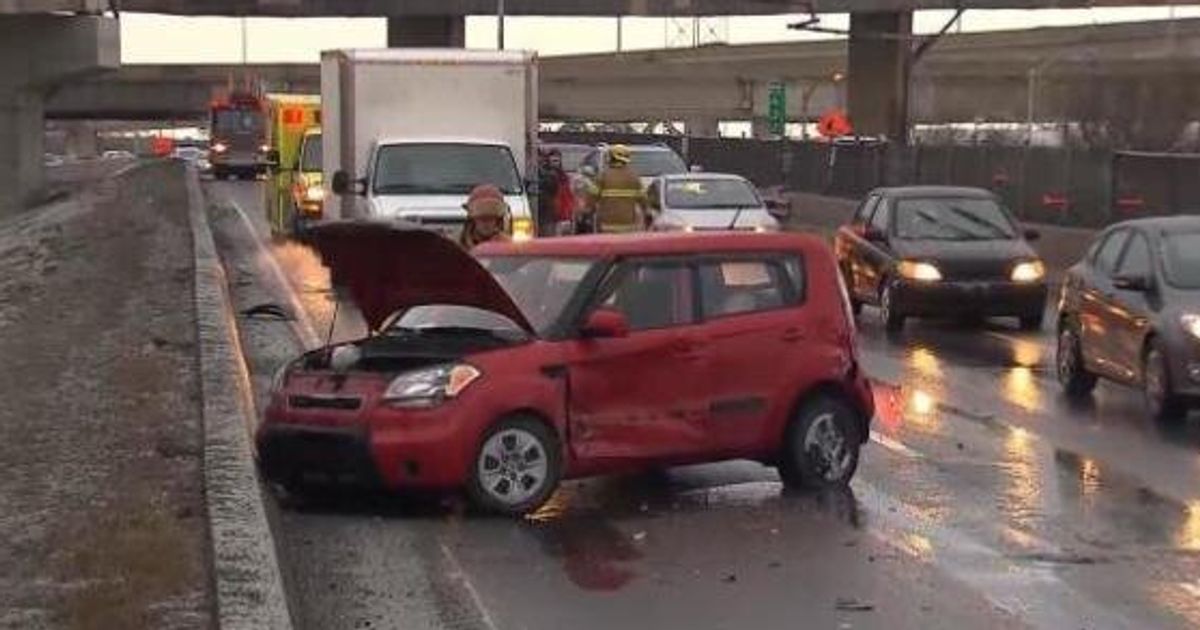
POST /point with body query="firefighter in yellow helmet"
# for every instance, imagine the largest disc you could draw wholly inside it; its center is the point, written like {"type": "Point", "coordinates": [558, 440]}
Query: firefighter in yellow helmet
{"type": "Point", "coordinates": [486, 214]}
{"type": "Point", "coordinates": [618, 200]}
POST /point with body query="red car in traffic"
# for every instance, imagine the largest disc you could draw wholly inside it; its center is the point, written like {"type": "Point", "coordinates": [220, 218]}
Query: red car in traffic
{"type": "Point", "coordinates": [507, 371]}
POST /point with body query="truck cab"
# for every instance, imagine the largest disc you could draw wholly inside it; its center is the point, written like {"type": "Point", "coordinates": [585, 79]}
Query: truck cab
{"type": "Point", "coordinates": [426, 182]}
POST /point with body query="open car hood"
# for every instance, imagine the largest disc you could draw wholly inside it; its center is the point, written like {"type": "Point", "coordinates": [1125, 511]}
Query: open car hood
{"type": "Point", "coordinates": [390, 267]}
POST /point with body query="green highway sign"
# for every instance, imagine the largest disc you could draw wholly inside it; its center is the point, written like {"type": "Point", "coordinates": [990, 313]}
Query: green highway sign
{"type": "Point", "coordinates": [777, 108]}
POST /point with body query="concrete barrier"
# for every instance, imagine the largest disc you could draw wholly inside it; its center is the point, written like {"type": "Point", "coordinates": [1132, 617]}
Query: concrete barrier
{"type": "Point", "coordinates": [1061, 247]}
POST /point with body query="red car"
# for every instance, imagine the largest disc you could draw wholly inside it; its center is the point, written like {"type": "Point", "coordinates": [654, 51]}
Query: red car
{"type": "Point", "coordinates": [506, 372]}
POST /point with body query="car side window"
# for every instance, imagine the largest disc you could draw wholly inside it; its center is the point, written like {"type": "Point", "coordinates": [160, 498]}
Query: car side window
{"type": "Point", "coordinates": [881, 220]}
{"type": "Point", "coordinates": [657, 294]}
{"type": "Point", "coordinates": [1136, 262]}
{"type": "Point", "coordinates": [863, 216]}
{"type": "Point", "coordinates": [733, 286]}
{"type": "Point", "coordinates": [1106, 257]}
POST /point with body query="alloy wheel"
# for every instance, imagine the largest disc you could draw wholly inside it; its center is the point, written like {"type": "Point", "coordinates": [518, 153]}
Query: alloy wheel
{"type": "Point", "coordinates": [512, 466]}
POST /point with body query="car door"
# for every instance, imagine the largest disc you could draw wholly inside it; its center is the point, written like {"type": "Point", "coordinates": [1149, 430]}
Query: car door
{"type": "Point", "coordinates": [850, 246]}
{"type": "Point", "coordinates": [1129, 309]}
{"type": "Point", "coordinates": [1096, 319]}
{"type": "Point", "coordinates": [753, 318]}
{"type": "Point", "coordinates": [876, 257]}
{"type": "Point", "coordinates": [641, 397]}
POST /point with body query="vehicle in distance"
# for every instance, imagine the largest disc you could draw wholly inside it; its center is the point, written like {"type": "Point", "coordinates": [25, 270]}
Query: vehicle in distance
{"type": "Point", "coordinates": [238, 136]}
{"type": "Point", "coordinates": [117, 154]}
{"type": "Point", "coordinates": [507, 373]}
{"type": "Point", "coordinates": [704, 202]}
{"type": "Point", "coordinates": [648, 161]}
{"type": "Point", "coordinates": [572, 154]}
{"type": "Point", "coordinates": [1130, 312]}
{"type": "Point", "coordinates": [408, 133]}
{"type": "Point", "coordinates": [932, 251]}
{"type": "Point", "coordinates": [51, 159]}
{"type": "Point", "coordinates": [293, 195]}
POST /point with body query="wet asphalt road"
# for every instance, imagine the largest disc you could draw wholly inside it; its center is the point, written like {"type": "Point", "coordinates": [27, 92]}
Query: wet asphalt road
{"type": "Point", "coordinates": [983, 500]}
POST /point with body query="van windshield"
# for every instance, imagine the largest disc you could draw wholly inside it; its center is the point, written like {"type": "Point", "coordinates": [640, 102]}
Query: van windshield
{"type": "Point", "coordinates": [444, 169]}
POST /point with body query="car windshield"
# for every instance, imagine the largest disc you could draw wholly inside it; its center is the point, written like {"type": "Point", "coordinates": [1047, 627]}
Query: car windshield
{"type": "Point", "coordinates": [434, 318]}
{"type": "Point", "coordinates": [1181, 260]}
{"type": "Point", "coordinates": [541, 287]}
{"type": "Point", "coordinates": [444, 169]}
{"type": "Point", "coordinates": [952, 219]}
{"type": "Point", "coordinates": [237, 121]}
{"type": "Point", "coordinates": [310, 153]}
{"type": "Point", "coordinates": [655, 162]}
{"type": "Point", "coordinates": [714, 194]}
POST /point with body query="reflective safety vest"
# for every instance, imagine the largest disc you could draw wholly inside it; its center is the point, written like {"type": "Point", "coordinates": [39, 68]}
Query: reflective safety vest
{"type": "Point", "coordinates": [619, 196]}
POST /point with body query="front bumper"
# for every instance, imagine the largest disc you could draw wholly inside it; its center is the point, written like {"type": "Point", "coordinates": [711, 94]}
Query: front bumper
{"type": "Point", "coordinates": [389, 448]}
{"type": "Point", "coordinates": [984, 298]}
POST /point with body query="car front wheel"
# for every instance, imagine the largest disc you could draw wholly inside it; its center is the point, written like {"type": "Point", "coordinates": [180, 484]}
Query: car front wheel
{"type": "Point", "coordinates": [1161, 403]}
{"type": "Point", "coordinates": [517, 467]}
{"type": "Point", "coordinates": [821, 446]}
{"type": "Point", "coordinates": [893, 320]}
{"type": "Point", "coordinates": [1076, 381]}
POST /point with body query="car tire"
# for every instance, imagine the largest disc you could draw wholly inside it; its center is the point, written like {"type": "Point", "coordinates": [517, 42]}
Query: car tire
{"type": "Point", "coordinates": [821, 445]}
{"type": "Point", "coordinates": [1076, 381]}
{"type": "Point", "coordinates": [893, 321]}
{"type": "Point", "coordinates": [1033, 322]}
{"type": "Point", "coordinates": [1162, 404]}
{"type": "Point", "coordinates": [504, 479]}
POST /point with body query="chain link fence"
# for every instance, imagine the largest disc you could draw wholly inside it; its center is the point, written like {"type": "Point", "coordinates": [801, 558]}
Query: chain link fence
{"type": "Point", "coordinates": [1058, 185]}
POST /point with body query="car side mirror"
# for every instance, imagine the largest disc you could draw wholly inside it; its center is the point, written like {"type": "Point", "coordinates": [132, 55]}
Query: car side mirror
{"type": "Point", "coordinates": [1032, 234]}
{"type": "Point", "coordinates": [343, 185]}
{"type": "Point", "coordinates": [874, 234]}
{"type": "Point", "coordinates": [1140, 284]}
{"type": "Point", "coordinates": [779, 208]}
{"type": "Point", "coordinates": [605, 323]}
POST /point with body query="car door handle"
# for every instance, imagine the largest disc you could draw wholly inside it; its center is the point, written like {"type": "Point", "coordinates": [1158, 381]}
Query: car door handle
{"type": "Point", "coordinates": [792, 335]}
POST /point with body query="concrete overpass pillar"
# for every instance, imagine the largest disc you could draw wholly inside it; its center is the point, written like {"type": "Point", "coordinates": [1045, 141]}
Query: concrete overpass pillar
{"type": "Point", "coordinates": [82, 141]}
{"type": "Point", "coordinates": [437, 31]}
{"type": "Point", "coordinates": [702, 126]}
{"type": "Point", "coordinates": [38, 53]}
{"type": "Point", "coordinates": [879, 74]}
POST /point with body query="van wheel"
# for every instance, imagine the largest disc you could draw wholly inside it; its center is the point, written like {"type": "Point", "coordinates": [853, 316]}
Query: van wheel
{"type": "Point", "coordinates": [1076, 381]}
{"type": "Point", "coordinates": [516, 468]}
{"type": "Point", "coordinates": [821, 445]}
{"type": "Point", "coordinates": [1161, 403]}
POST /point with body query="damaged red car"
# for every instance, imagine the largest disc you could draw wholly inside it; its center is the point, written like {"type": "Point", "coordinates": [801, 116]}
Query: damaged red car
{"type": "Point", "coordinates": [509, 371]}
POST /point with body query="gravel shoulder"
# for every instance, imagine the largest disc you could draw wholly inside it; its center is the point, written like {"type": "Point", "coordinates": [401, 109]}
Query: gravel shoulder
{"type": "Point", "coordinates": [102, 517]}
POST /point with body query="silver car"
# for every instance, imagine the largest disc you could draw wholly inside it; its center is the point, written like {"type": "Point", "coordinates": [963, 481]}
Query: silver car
{"type": "Point", "coordinates": [701, 202]}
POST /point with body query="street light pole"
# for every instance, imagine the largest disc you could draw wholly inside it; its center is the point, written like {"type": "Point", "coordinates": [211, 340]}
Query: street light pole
{"type": "Point", "coordinates": [500, 24]}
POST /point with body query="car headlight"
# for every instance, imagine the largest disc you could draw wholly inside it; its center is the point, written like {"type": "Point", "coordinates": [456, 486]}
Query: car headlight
{"type": "Point", "coordinates": [263, 148]}
{"type": "Point", "coordinates": [430, 387]}
{"type": "Point", "coordinates": [314, 193]}
{"type": "Point", "coordinates": [220, 147]}
{"type": "Point", "coordinates": [522, 229]}
{"type": "Point", "coordinates": [1191, 323]}
{"type": "Point", "coordinates": [920, 271]}
{"type": "Point", "coordinates": [1029, 271]}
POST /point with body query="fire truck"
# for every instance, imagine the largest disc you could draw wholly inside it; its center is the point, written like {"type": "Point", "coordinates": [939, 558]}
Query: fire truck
{"type": "Point", "coordinates": [238, 135]}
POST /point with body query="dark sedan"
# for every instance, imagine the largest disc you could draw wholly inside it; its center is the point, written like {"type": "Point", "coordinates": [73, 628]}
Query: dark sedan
{"type": "Point", "coordinates": [1130, 312]}
{"type": "Point", "coordinates": [934, 251]}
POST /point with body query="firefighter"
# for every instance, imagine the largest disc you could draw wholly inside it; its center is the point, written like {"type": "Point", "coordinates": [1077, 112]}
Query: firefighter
{"type": "Point", "coordinates": [619, 202]}
{"type": "Point", "coordinates": [486, 215]}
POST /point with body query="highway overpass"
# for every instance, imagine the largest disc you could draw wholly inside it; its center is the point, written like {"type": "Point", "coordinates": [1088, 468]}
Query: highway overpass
{"type": "Point", "coordinates": [1103, 72]}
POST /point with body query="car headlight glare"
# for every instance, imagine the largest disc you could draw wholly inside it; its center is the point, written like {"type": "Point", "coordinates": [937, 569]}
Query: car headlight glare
{"type": "Point", "coordinates": [314, 193]}
{"type": "Point", "coordinates": [522, 229]}
{"type": "Point", "coordinates": [1029, 271]}
{"type": "Point", "coordinates": [920, 271]}
{"type": "Point", "coordinates": [430, 387]}
{"type": "Point", "coordinates": [1191, 323]}
{"type": "Point", "coordinates": [220, 147]}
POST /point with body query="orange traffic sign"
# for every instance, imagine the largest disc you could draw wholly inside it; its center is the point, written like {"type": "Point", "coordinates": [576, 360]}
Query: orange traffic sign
{"type": "Point", "coordinates": [834, 124]}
